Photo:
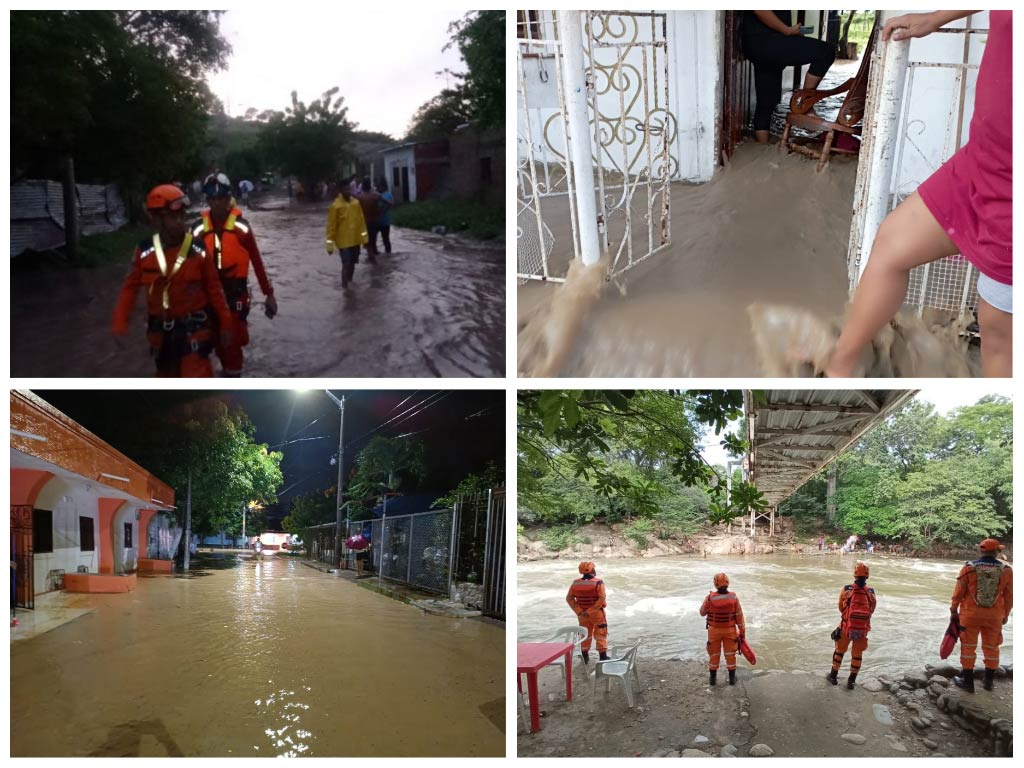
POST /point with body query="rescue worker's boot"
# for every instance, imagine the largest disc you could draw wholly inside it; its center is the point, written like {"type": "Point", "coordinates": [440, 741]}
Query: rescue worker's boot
{"type": "Point", "coordinates": [714, 674]}
{"type": "Point", "coordinates": [851, 681]}
{"type": "Point", "coordinates": [603, 655]}
{"type": "Point", "coordinates": [833, 676]}
{"type": "Point", "coordinates": [732, 677]}
{"type": "Point", "coordinates": [586, 656]}
{"type": "Point", "coordinates": [965, 681]}
{"type": "Point", "coordinates": [990, 680]}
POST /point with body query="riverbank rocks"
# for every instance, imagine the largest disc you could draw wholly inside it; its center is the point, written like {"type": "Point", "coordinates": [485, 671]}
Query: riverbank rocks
{"type": "Point", "coordinates": [853, 738]}
{"type": "Point", "coordinates": [701, 740]}
{"type": "Point", "coordinates": [930, 744]}
{"type": "Point", "coordinates": [873, 685]}
{"type": "Point", "coordinates": [919, 724]}
{"type": "Point", "coordinates": [939, 680]}
{"type": "Point", "coordinates": [943, 670]}
{"type": "Point", "coordinates": [695, 753]}
{"type": "Point", "coordinates": [761, 750]}
{"type": "Point", "coordinates": [915, 680]}
{"type": "Point", "coordinates": [729, 750]}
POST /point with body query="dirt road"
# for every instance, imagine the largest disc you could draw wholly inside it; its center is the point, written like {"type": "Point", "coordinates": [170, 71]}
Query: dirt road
{"type": "Point", "coordinates": [435, 307]}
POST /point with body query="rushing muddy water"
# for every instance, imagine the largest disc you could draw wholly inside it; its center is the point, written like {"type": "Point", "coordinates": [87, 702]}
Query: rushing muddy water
{"type": "Point", "coordinates": [258, 659]}
{"type": "Point", "coordinates": [434, 307]}
{"type": "Point", "coordinates": [789, 601]}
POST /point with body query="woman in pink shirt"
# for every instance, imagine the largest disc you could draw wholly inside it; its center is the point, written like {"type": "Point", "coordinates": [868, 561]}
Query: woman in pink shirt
{"type": "Point", "coordinates": [965, 207]}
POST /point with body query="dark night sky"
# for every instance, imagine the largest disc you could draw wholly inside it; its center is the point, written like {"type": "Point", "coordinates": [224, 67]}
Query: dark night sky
{"type": "Point", "coordinates": [461, 430]}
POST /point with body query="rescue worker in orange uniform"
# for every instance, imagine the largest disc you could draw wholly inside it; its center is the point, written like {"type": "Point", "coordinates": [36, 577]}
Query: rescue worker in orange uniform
{"type": "Point", "coordinates": [184, 298]}
{"type": "Point", "coordinates": [725, 626]}
{"type": "Point", "coordinates": [587, 599]}
{"type": "Point", "coordinates": [230, 242]}
{"type": "Point", "coordinates": [856, 605]}
{"type": "Point", "coordinates": [982, 599]}
{"type": "Point", "coordinates": [346, 230]}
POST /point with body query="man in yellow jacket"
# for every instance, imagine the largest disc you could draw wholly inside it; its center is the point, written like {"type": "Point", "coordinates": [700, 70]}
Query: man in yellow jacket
{"type": "Point", "coordinates": [346, 230]}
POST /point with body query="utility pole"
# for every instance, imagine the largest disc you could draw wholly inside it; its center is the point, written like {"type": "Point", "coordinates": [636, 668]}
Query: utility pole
{"type": "Point", "coordinates": [245, 508]}
{"type": "Point", "coordinates": [188, 522]}
{"type": "Point", "coordinates": [341, 460]}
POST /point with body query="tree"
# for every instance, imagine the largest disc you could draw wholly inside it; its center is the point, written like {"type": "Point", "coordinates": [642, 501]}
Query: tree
{"type": "Point", "coordinates": [111, 96]}
{"type": "Point", "coordinates": [387, 464]}
{"type": "Point", "coordinates": [308, 141]}
{"type": "Point", "coordinates": [473, 484]}
{"type": "Point", "coordinates": [480, 38]}
{"type": "Point", "coordinates": [439, 117]}
{"type": "Point", "coordinates": [310, 509]}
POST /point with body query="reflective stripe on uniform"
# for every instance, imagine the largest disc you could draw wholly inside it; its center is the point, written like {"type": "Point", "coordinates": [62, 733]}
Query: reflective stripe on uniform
{"type": "Point", "coordinates": [161, 261]}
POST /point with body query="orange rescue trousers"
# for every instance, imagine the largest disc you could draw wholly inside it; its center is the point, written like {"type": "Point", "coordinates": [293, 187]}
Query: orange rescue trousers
{"type": "Point", "coordinates": [596, 625]}
{"type": "Point", "coordinates": [719, 638]}
{"type": "Point", "coordinates": [859, 646]}
{"type": "Point", "coordinates": [231, 357]}
{"type": "Point", "coordinates": [991, 639]}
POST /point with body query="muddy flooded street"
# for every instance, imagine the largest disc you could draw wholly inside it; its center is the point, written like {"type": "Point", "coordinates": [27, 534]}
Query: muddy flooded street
{"type": "Point", "coordinates": [789, 602]}
{"type": "Point", "coordinates": [434, 307]}
{"type": "Point", "coordinates": [247, 659]}
{"type": "Point", "coordinates": [767, 229]}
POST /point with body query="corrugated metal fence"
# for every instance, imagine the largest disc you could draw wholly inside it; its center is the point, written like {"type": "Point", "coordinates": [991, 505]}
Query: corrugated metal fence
{"type": "Point", "coordinates": [37, 213]}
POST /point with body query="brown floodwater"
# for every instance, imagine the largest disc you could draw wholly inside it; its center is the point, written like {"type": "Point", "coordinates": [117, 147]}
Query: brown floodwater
{"type": "Point", "coordinates": [434, 307]}
{"type": "Point", "coordinates": [247, 659]}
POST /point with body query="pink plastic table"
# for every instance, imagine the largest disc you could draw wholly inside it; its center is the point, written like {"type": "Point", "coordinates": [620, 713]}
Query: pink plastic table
{"type": "Point", "coordinates": [532, 657]}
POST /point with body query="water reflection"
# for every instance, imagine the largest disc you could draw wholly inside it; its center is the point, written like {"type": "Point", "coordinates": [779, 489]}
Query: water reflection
{"type": "Point", "coordinates": [257, 659]}
{"type": "Point", "coordinates": [790, 605]}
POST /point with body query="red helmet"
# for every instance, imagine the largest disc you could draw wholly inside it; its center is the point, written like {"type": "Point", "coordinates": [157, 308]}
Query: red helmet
{"type": "Point", "coordinates": [721, 580]}
{"type": "Point", "coordinates": [166, 197]}
{"type": "Point", "coordinates": [861, 569]}
{"type": "Point", "coordinates": [990, 545]}
{"type": "Point", "coordinates": [587, 567]}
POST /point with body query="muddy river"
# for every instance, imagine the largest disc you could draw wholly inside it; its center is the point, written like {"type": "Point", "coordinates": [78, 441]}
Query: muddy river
{"type": "Point", "coordinates": [258, 659]}
{"type": "Point", "coordinates": [789, 601]}
{"type": "Point", "coordinates": [434, 307]}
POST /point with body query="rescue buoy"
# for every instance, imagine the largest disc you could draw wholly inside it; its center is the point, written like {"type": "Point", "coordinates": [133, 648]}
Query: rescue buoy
{"type": "Point", "coordinates": [949, 640]}
{"type": "Point", "coordinates": [747, 651]}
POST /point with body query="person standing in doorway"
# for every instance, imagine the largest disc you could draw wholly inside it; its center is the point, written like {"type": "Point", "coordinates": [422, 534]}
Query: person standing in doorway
{"type": "Point", "coordinates": [856, 606]}
{"type": "Point", "coordinates": [965, 207]}
{"type": "Point", "coordinates": [772, 42]}
{"type": "Point", "coordinates": [726, 627]}
{"type": "Point", "coordinates": [587, 599]}
{"type": "Point", "coordinates": [346, 230]}
{"type": "Point", "coordinates": [982, 601]}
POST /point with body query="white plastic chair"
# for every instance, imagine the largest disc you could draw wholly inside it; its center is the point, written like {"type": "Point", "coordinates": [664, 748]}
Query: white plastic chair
{"type": "Point", "coordinates": [524, 715]}
{"type": "Point", "coordinates": [622, 665]}
{"type": "Point", "coordinates": [574, 635]}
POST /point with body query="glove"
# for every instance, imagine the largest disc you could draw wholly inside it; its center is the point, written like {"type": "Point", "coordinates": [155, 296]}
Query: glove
{"type": "Point", "coordinates": [270, 306]}
{"type": "Point", "coordinates": [330, 247]}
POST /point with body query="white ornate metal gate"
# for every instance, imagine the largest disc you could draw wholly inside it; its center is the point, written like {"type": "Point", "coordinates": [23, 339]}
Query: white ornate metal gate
{"type": "Point", "coordinates": [632, 132]}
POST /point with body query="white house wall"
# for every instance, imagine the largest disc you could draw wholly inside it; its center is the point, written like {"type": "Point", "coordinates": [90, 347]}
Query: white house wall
{"type": "Point", "coordinates": [68, 501]}
{"type": "Point", "coordinates": [401, 158]}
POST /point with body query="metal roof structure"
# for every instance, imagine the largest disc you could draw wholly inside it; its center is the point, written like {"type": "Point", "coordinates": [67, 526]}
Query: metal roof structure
{"type": "Point", "coordinates": [794, 434]}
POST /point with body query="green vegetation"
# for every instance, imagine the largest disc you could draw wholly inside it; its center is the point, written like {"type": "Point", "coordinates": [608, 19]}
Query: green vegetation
{"type": "Point", "coordinates": [95, 251]}
{"type": "Point", "coordinates": [920, 478]}
{"type": "Point", "coordinates": [311, 509]}
{"type": "Point", "coordinates": [613, 456]}
{"type": "Point", "coordinates": [480, 221]}
{"type": "Point", "coordinates": [860, 28]}
{"type": "Point", "coordinates": [474, 485]}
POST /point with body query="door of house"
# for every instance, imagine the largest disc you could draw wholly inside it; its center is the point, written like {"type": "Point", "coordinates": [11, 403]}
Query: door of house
{"type": "Point", "coordinates": [405, 183]}
{"type": "Point", "coordinates": [737, 81]}
{"type": "Point", "coordinates": [22, 556]}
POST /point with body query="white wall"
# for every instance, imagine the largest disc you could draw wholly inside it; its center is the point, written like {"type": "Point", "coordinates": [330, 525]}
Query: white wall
{"type": "Point", "coordinates": [67, 501]}
{"type": "Point", "coordinates": [400, 158]}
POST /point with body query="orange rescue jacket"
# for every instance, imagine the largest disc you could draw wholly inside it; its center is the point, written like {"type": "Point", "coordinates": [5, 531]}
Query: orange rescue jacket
{"type": "Point", "coordinates": [723, 610]}
{"type": "Point", "coordinates": [232, 246]}
{"type": "Point", "coordinates": [585, 595]}
{"type": "Point", "coordinates": [856, 605]}
{"type": "Point", "coordinates": [965, 594]}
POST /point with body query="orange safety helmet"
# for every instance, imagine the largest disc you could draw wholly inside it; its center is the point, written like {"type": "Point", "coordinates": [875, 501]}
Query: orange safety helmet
{"type": "Point", "coordinates": [721, 580]}
{"type": "Point", "coordinates": [166, 197]}
{"type": "Point", "coordinates": [991, 545]}
{"type": "Point", "coordinates": [861, 569]}
{"type": "Point", "coordinates": [587, 567]}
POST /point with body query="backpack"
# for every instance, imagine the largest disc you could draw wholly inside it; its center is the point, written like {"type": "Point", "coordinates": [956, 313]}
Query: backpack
{"type": "Point", "coordinates": [857, 616]}
{"type": "Point", "coordinates": [987, 585]}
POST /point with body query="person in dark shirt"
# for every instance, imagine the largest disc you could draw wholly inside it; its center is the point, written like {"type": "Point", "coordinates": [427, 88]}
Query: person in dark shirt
{"type": "Point", "coordinates": [772, 42]}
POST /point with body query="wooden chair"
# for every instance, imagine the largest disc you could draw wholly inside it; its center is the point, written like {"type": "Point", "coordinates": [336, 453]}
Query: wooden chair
{"type": "Point", "coordinates": [849, 119]}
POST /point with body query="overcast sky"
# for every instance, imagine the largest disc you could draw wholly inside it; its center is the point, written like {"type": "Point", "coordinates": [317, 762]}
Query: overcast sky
{"type": "Point", "coordinates": [384, 59]}
{"type": "Point", "coordinates": [944, 398]}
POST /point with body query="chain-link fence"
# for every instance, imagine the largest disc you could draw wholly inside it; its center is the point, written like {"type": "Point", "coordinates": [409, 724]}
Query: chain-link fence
{"type": "Point", "coordinates": [414, 549]}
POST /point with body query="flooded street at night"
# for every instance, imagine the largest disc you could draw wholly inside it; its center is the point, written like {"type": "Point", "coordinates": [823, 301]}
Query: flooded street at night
{"type": "Point", "coordinates": [434, 307]}
{"type": "Point", "coordinates": [789, 601]}
{"type": "Point", "coordinates": [246, 659]}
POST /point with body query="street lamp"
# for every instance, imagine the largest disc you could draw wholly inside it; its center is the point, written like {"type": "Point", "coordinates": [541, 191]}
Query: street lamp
{"type": "Point", "coordinates": [341, 460]}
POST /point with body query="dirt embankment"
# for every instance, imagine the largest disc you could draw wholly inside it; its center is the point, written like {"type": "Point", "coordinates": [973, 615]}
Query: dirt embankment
{"type": "Point", "coordinates": [610, 542]}
{"type": "Point", "coordinates": [770, 712]}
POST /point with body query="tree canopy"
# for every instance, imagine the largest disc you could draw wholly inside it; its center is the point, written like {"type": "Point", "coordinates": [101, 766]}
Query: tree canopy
{"type": "Point", "coordinates": [922, 478]}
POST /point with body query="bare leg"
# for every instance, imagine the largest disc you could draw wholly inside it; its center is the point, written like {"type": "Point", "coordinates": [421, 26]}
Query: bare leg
{"type": "Point", "coordinates": [811, 81]}
{"type": "Point", "coordinates": [762, 137]}
{"type": "Point", "coordinates": [996, 328]}
{"type": "Point", "coordinates": [909, 236]}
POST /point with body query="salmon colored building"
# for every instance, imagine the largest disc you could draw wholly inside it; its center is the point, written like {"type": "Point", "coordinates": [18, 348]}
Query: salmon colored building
{"type": "Point", "coordinates": [83, 515]}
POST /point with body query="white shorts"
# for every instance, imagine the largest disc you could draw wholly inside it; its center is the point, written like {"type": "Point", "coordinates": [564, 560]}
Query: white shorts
{"type": "Point", "coordinates": [999, 295]}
